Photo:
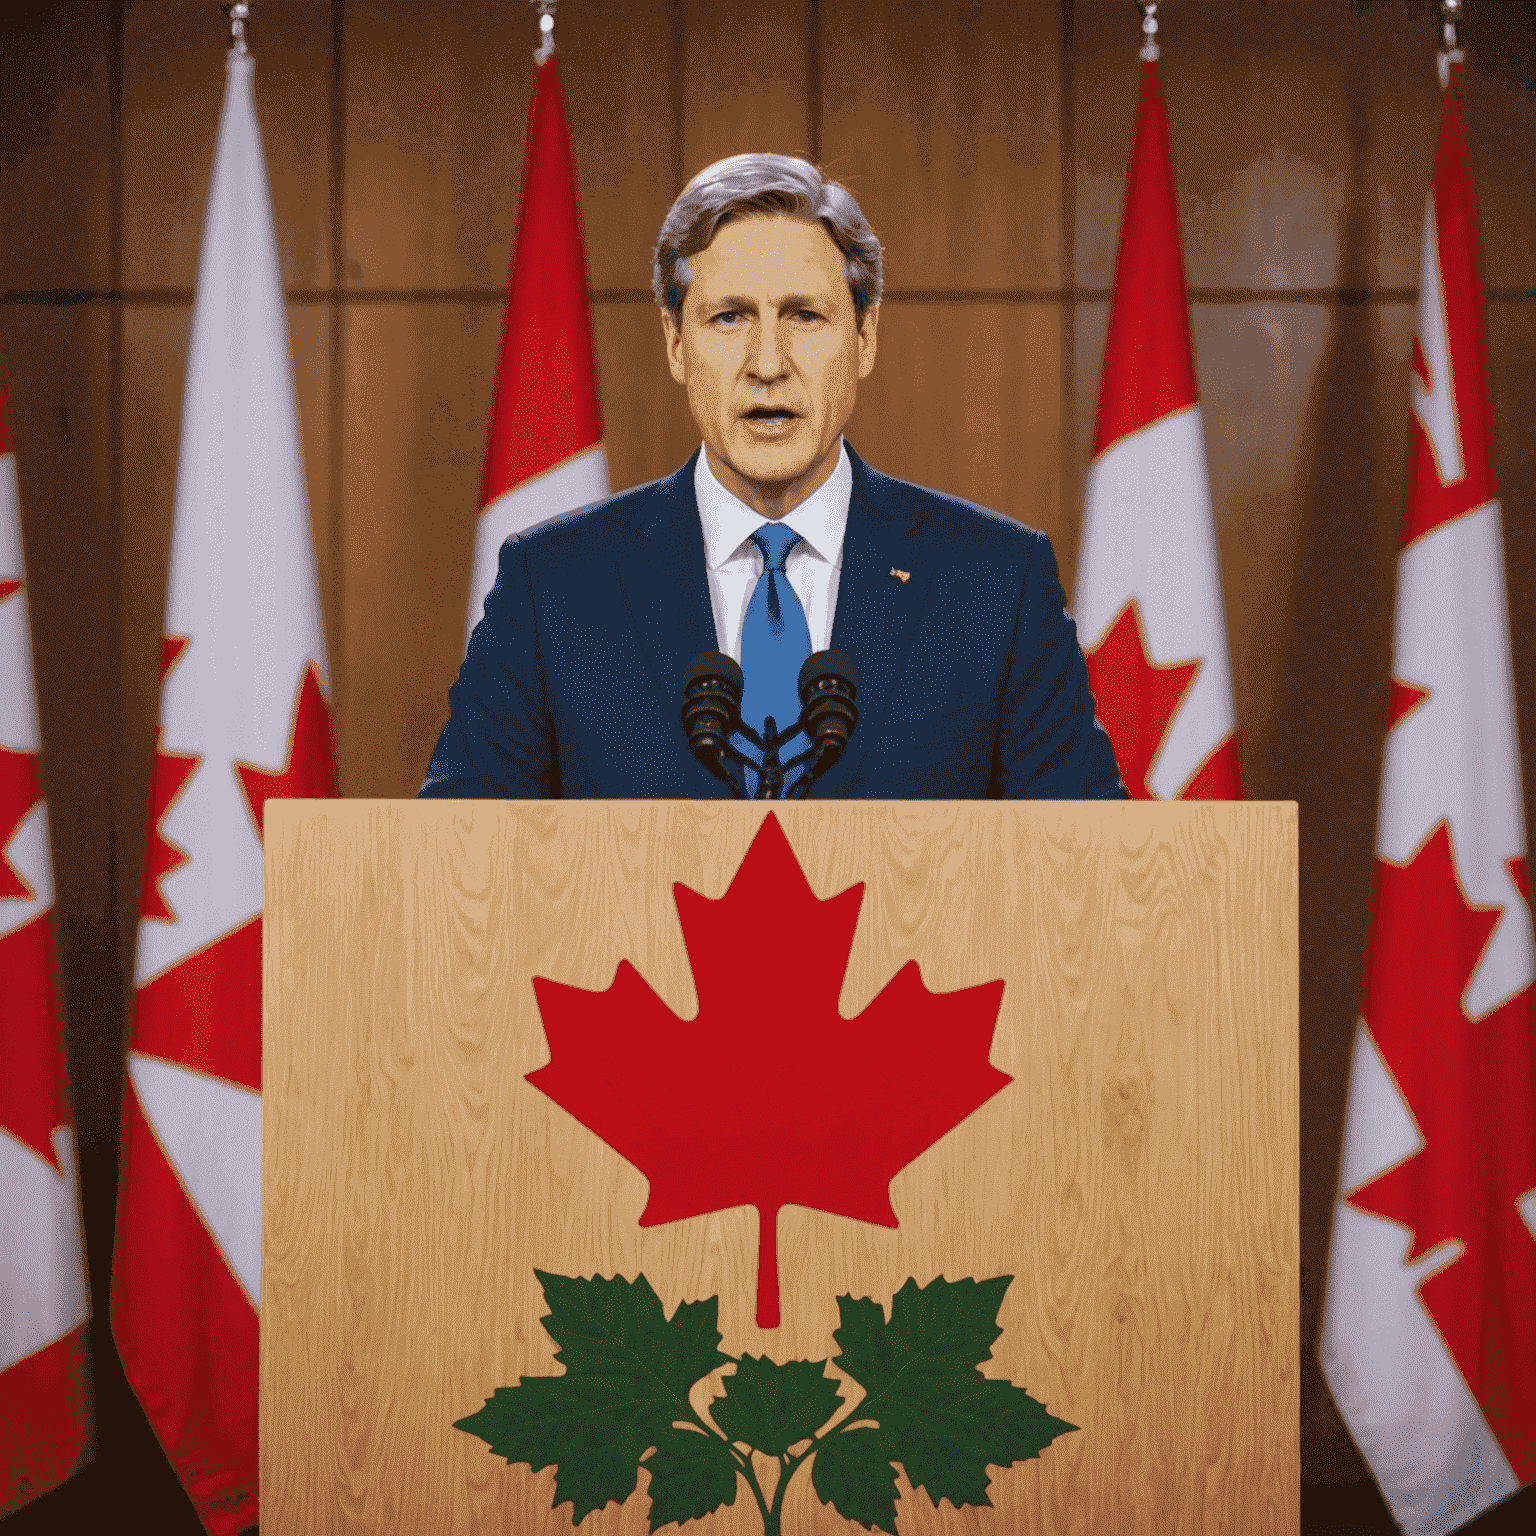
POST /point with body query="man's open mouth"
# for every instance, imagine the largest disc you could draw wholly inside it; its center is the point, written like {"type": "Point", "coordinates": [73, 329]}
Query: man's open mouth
{"type": "Point", "coordinates": [770, 413]}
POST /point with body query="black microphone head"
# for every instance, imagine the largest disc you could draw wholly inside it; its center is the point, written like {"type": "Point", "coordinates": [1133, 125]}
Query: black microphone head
{"type": "Point", "coordinates": [714, 665]}
{"type": "Point", "coordinates": [828, 664]}
{"type": "Point", "coordinates": [712, 686]}
{"type": "Point", "coordinates": [828, 682]}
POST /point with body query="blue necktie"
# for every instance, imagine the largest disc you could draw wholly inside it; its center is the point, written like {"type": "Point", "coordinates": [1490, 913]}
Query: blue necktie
{"type": "Point", "coordinates": [775, 642]}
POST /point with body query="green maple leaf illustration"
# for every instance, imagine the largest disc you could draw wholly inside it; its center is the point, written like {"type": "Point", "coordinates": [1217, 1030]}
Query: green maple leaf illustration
{"type": "Point", "coordinates": [939, 1416]}
{"type": "Point", "coordinates": [623, 1403]}
{"type": "Point", "coordinates": [692, 1474]}
{"type": "Point", "coordinates": [855, 1474]}
{"type": "Point", "coordinates": [628, 1368]}
{"type": "Point", "coordinates": [772, 1407]}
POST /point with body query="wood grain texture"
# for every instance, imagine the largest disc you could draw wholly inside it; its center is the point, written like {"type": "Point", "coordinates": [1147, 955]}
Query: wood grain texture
{"type": "Point", "coordinates": [943, 117]}
{"type": "Point", "coordinates": [1138, 1178]}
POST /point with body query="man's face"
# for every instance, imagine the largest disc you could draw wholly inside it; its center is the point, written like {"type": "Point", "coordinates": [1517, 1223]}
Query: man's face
{"type": "Point", "coordinates": [771, 354]}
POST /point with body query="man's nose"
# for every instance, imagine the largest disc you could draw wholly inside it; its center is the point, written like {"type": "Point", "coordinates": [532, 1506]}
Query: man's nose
{"type": "Point", "coordinates": [768, 360]}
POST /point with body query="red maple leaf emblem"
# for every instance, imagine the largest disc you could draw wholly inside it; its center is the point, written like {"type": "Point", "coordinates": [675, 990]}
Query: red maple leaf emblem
{"type": "Point", "coordinates": [806, 1107]}
{"type": "Point", "coordinates": [1471, 1087]}
{"type": "Point", "coordinates": [309, 771]}
{"type": "Point", "coordinates": [167, 780]}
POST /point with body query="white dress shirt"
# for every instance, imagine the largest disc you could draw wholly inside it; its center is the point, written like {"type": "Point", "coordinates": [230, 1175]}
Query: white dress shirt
{"type": "Point", "coordinates": [734, 563]}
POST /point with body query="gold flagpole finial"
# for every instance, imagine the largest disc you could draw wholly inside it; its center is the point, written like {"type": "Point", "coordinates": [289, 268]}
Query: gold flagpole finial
{"type": "Point", "coordinates": [1148, 9]}
{"type": "Point", "coordinates": [546, 10]}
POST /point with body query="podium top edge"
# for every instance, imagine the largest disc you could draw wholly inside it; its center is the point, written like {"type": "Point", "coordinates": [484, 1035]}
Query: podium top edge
{"type": "Point", "coordinates": [284, 809]}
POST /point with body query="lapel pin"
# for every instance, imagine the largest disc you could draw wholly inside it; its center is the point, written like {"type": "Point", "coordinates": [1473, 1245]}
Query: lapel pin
{"type": "Point", "coordinates": [902, 576]}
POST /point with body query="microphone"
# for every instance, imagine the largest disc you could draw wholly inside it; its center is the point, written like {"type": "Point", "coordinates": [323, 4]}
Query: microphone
{"type": "Point", "coordinates": [712, 687]}
{"type": "Point", "coordinates": [828, 683]}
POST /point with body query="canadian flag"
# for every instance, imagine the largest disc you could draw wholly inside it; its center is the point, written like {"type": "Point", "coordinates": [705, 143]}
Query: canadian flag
{"type": "Point", "coordinates": [43, 1306]}
{"type": "Point", "coordinates": [1429, 1324]}
{"type": "Point", "coordinates": [243, 716]}
{"type": "Point", "coordinates": [545, 450]}
{"type": "Point", "coordinates": [1148, 601]}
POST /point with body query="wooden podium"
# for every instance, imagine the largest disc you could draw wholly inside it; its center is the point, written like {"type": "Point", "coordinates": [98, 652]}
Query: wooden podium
{"type": "Point", "coordinates": [1137, 1177]}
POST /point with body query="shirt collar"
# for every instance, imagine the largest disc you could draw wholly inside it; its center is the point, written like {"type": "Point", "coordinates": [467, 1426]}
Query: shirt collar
{"type": "Point", "coordinates": [728, 522]}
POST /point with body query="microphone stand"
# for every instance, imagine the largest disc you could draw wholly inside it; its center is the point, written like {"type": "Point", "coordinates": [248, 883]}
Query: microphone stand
{"type": "Point", "coordinates": [772, 769]}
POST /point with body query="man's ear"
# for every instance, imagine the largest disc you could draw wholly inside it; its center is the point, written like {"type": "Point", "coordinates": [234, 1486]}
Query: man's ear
{"type": "Point", "coordinates": [867, 340]}
{"type": "Point", "coordinates": [674, 340]}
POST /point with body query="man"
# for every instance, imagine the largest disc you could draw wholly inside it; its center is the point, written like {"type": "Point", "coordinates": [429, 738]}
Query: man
{"type": "Point", "coordinates": [773, 541]}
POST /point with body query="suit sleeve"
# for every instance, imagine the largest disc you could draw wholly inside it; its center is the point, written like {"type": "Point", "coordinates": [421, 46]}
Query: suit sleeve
{"type": "Point", "coordinates": [499, 742]}
{"type": "Point", "coordinates": [1051, 746]}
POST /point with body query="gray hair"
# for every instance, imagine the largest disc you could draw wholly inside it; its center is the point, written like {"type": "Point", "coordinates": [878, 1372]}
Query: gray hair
{"type": "Point", "coordinates": [747, 185]}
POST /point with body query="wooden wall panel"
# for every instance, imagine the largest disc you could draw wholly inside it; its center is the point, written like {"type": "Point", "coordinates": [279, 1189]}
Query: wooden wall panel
{"type": "Point", "coordinates": [1139, 1181]}
{"type": "Point", "coordinates": [436, 104]}
{"type": "Point", "coordinates": [966, 397]}
{"type": "Point", "coordinates": [173, 82]}
{"type": "Point", "coordinates": [1304, 138]}
{"type": "Point", "coordinates": [645, 410]}
{"type": "Point", "coordinates": [419, 385]}
{"type": "Point", "coordinates": [1287, 123]}
{"type": "Point", "coordinates": [55, 123]}
{"type": "Point", "coordinates": [745, 81]}
{"type": "Point", "coordinates": [945, 120]}
{"type": "Point", "coordinates": [616, 66]}
{"type": "Point", "coordinates": [1501, 125]}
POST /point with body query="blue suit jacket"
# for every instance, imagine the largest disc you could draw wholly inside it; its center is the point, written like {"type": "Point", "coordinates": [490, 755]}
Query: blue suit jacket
{"type": "Point", "coordinates": [971, 683]}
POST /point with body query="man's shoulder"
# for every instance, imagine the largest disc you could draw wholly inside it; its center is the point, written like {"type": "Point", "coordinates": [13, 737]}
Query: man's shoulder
{"type": "Point", "coordinates": [947, 517]}
{"type": "Point", "coordinates": [597, 528]}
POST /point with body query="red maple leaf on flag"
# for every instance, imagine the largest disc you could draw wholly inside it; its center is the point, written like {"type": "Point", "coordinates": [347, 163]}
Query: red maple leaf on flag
{"type": "Point", "coordinates": [1137, 697]}
{"type": "Point", "coordinates": [32, 1086]}
{"type": "Point", "coordinates": [21, 787]}
{"type": "Point", "coordinates": [1469, 1086]}
{"type": "Point", "coordinates": [1402, 701]}
{"type": "Point", "coordinates": [804, 1106]}
{"type": "Point", "coordinates": [167, 780]}
{"type": "Point", "coordinates": [309, 770]}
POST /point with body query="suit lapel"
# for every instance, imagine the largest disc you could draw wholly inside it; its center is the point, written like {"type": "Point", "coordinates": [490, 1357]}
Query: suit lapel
{"type": "Point", "coordinates": [662, 573]}
{"type": "Point", "coordinates": [877, 613]}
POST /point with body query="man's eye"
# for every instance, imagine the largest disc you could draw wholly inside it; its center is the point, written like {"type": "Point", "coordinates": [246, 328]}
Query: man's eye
{"type": "Point", "coordinates": [727, 314]}
{"type": "Point", "coordinates": [807, 314]}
